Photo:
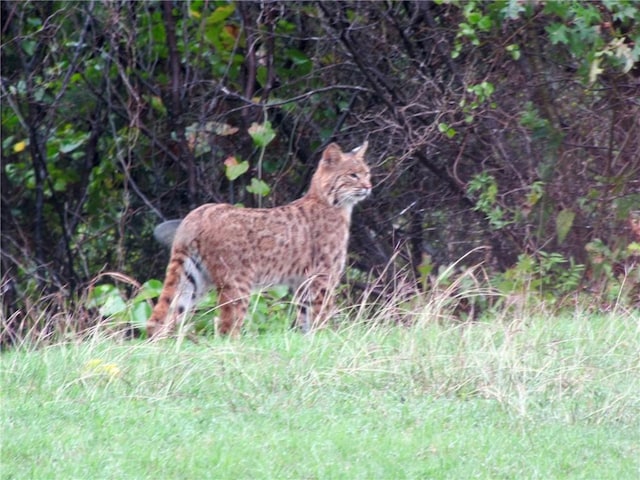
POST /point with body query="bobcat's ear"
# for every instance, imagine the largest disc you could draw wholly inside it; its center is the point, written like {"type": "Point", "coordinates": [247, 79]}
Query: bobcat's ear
{"type": "Point", "coordinates": [360, 151]}
{"type": "Point", "coordinates": [332, 155]}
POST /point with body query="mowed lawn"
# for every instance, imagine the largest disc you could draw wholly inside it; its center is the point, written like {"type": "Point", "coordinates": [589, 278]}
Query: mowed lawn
{"type": "Point", "coordinates": [513, 398]}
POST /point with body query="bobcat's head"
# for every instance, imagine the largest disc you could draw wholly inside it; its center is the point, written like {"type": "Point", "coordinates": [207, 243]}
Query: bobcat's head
{"type": "Point", "coordinates": [342, 179]}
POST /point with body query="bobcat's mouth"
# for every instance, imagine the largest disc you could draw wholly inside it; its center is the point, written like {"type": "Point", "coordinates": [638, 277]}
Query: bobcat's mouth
{"type": "Point", "coordinates": [362, 193]}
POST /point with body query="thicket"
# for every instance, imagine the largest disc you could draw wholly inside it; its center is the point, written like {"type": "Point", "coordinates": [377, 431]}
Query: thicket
{"type": "Point", "coordinates": [504, 133]}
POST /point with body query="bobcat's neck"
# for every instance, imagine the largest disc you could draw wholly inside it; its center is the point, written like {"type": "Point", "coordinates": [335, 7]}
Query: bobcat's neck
{"type": "Point", "coordinates": [317, 200]}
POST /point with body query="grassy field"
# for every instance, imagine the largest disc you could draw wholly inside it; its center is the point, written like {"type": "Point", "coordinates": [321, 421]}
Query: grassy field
{"type": "Point", "coordinates": [525, 397]}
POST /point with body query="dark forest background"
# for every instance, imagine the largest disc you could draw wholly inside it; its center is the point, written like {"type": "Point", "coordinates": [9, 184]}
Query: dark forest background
{"type": "Point", "coordinates": [503, 136]}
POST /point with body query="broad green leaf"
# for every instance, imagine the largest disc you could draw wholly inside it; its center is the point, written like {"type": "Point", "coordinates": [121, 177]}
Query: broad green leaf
{"type": "Point", "coordinates": [261, 74]}
{"type": "Point", "coordinates": [536, 193]}
{"type": "Point", "coordinates": [297, 57]}
{"type": "Point", "coordinates": [564, 222]}
{"type": "Point", "coordinates": [279, 291]}
{"type": "Point", "coordinates": [99, 295]}
{"type": "Point", "coordinates": [70, 144]}
{"type": "Point", "coordinates": [450, 132]}
{"type": "Point", "coordinates": [220, 14]}
{"type": "Point", "coordinates": [487, 88]}
{"type": "Point", "coordinates": [29, 47]}
{"type": "Point", "coordinates": [633, 249]}
{"type": "Point", "coordinates": [113, 305]}
{"type": "Point", "coordinates": [150, 289]}
{"type": "Point", "coordinates": [34, 21]}
{"type": "Point", "coordinates": [233, 168]}
{"type": "Point", "coordinates": [514, 50]}
{"type": "Point", "coordinates": [303, 64]}
{"type": "Point", "coordinates": [140, 313]}
{"type": "Point", "coordinates": [258, 187]}
{"type": "Point", "coordinates": [559, 8]}
{"type": "Point", "coordinates": [60, 184]}
{"type": "Point", "coordinates": [485, 23]}
{"type": "Point", "coordinates": [513, 9]}
{"type": "Point", "coordinates": [627, 11]}
{"type": "Point", "coordinates": [557, 33]}
{"type": "Point", "coordinates": [474, 17]}
{"type": "Point", "coordinates": [158, 105]}
{"type": "Point", "coordinates": [262, 134]}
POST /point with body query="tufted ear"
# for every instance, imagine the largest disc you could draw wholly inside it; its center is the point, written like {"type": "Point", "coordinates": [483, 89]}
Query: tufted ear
{"type": "Point", "coordinates": [332, 155]}
{"type": "Point", "coordinates": [361, 150]}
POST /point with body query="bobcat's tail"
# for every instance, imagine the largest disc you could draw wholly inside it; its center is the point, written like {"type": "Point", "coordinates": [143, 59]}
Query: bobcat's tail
{"type": "Point", "coordinates": [186, 280]}
{"type": "Point", "coordinates": [165, 232]}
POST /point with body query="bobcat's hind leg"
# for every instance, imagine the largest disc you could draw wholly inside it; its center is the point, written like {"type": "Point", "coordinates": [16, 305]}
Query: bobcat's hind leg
{"type": "Point", "coordinates": [178, 308]}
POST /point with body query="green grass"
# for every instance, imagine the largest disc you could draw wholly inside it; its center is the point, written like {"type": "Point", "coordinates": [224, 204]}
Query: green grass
{"type": "Point", "coordinates": [513, 398]}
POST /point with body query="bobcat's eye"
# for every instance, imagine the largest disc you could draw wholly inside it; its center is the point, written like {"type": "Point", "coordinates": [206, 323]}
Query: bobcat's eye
{"type": "Point", "coordinates": [354, 175]}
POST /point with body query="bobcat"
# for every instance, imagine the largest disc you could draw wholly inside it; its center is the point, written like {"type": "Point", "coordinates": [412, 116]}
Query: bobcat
{"type": "Point", "coordinates": [302, 245]}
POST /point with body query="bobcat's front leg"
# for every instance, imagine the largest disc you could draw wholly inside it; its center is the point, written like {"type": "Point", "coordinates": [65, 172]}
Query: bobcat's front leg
{"type": "Point", "coordinates": [233, 303]}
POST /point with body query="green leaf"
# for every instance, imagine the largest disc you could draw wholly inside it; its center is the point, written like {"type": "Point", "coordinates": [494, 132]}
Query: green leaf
{"type": "Point", "coordinates": [564, 222]}
{"type": "Point", "coordinates": [113, 305]}
{"type": "Point", "coordinates": [279, 291]}
{"type": "Point", "coordinates": [474, 17]}
{"type": "Point", "coordinates": [559, 8]}
{"type": "Point", "coordinates": [513, 9]}
{"type": "Point", "coordinates": [443, 127]}
{"type": "Point", "coordinates": [70, 144]}
{"type": "Point", "coordinates": [625, 12]}
{"type": "Point", "coordinates": [485, 23]}
{"type": "Point", "coordinates": [220, 14]}
{"type": "Point", "coordinates": [99, 295]}
{"type": "Point", "coordinates": [258, 187]}
{"type": "Point", "coordinates": [633, 249]}
{"type": "Point", "coordinates": [514, 50]}
{"type": "Point", "coordinates": [150, 289]}
{"type": "Point", "coordinates": [536, 193]}
{"type": "Point", "coordinates": [261, 74]}
{"type": "Point", "coordinates": [140, 313]}
{"type": "Point", "coordinates": [297, 57]}
{"type": "Point", "coordinates": [450, 132]}
{"type": "Point", "coordinates": [34, 21]}
{"type": "Point", "coordinates": [8, 141]}
{"type": "Point", "coordinates": [262, 134]}
{"type": "Point", "coordinates": [303, 64]}
{"type": "Point", "coordinates": [557, 33]}
{"type": "Point", "coordinates": [158, 105]}
{"type": "Point", "coordinates": [234, 169]}
{"type": "Point", "coordinates": [29, 47]}
{"type": "Point", "coordinates": [487, 88]}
